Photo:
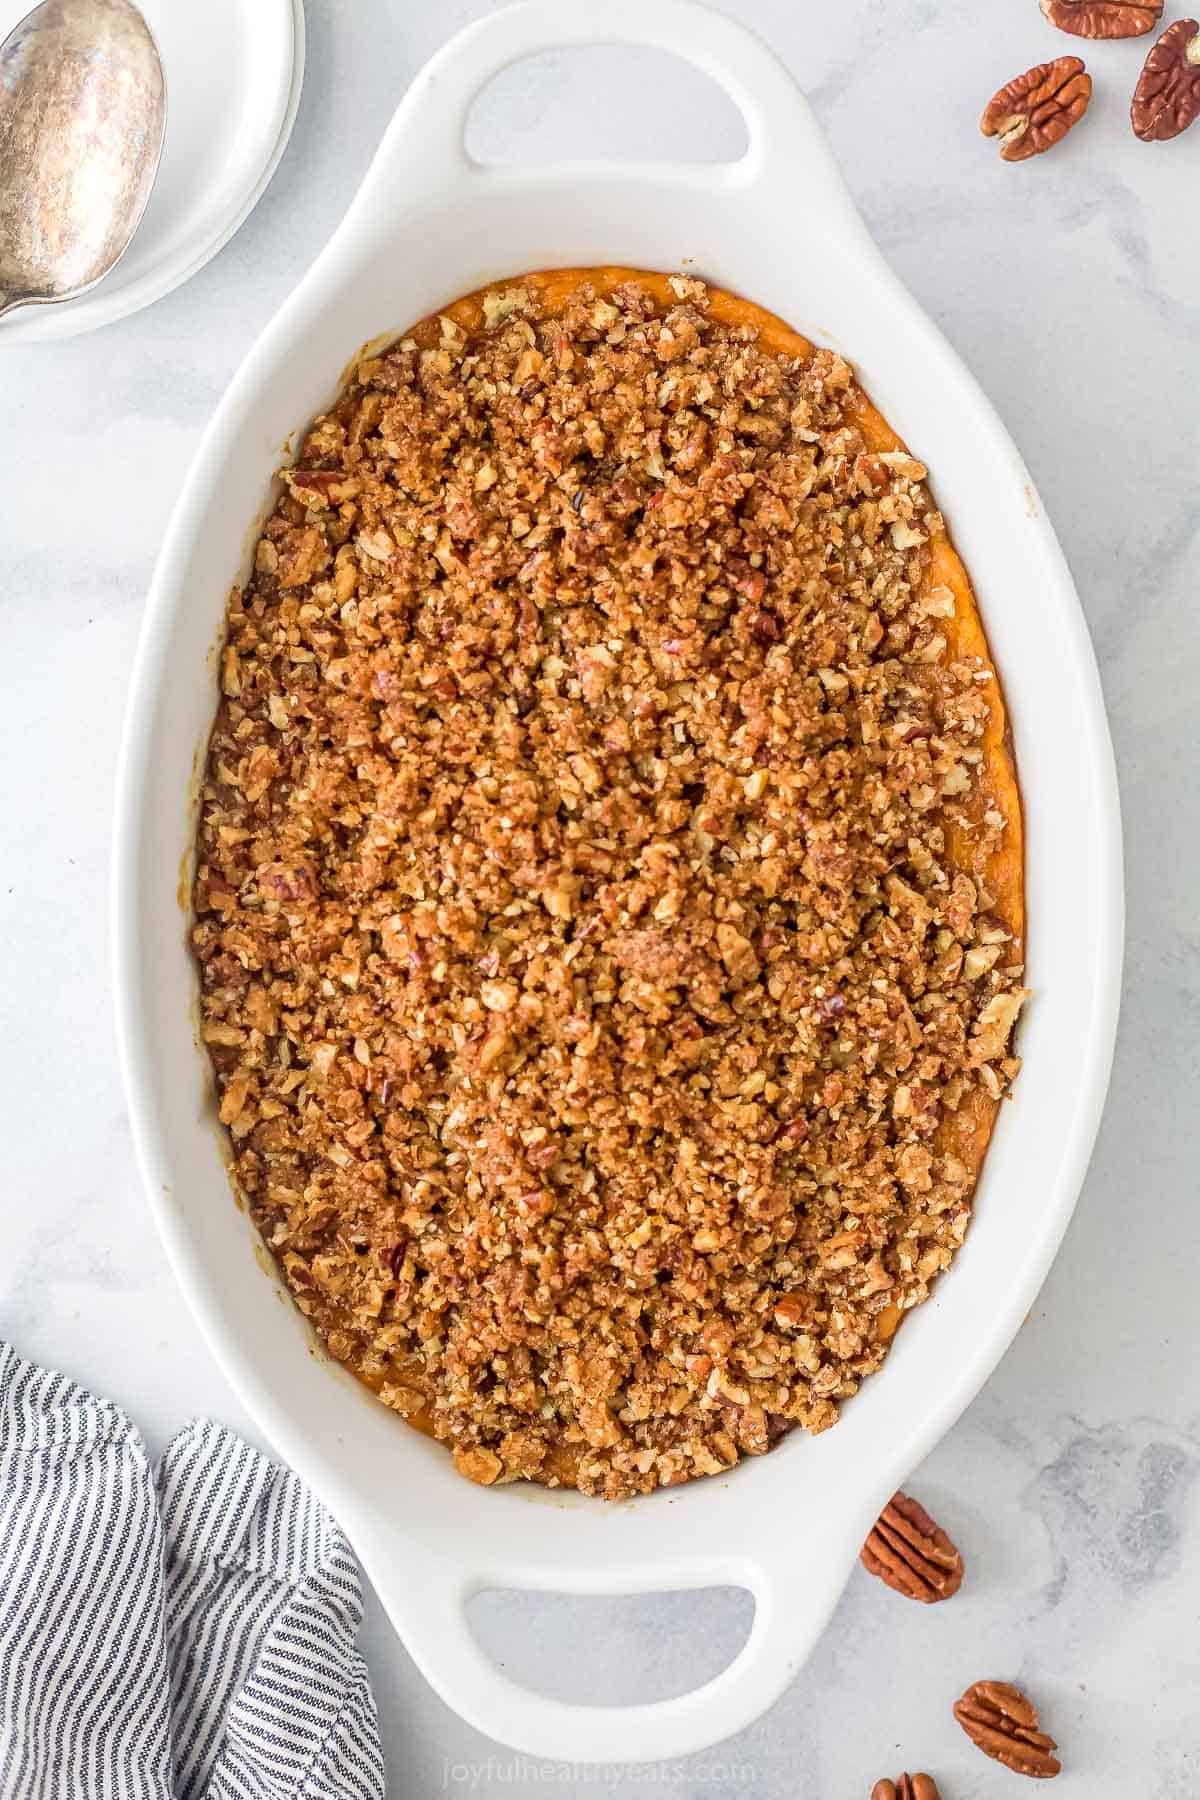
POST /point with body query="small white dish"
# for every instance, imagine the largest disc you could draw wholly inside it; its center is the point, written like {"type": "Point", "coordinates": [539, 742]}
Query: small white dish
{"type": "Point", "coordinates": [234, 72]}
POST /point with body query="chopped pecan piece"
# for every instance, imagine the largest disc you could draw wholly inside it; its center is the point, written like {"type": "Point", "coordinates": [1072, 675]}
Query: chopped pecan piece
{"type": "Point", "coordinates": [1003, 1722]}
{"type": "Point", "coordinates": [481, 1466]}
{"type": "Point", "coordinates": [1167, 97]}
{"type": "Point", "coordinates": [909, 1787]}
{"type": "Point", "coordinates": [1035, 110]}
{"type": "Point", "coordinates": [911, 1553]}
{"type": "Point", "coordinates": [1104, 18]}
{"type": "Point", "coordinates": [302, 555]}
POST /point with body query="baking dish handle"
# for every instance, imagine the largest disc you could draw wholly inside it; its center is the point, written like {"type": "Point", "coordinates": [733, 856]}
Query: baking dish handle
{"type": "Point", "coordinates": [786, 148]}
{"type": "Point", "coordinates": [794, 1577]}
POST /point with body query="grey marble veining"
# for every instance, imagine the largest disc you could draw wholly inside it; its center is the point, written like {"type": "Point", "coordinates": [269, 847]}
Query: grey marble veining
{"type": "Point", "coordinates": [1072, 288]}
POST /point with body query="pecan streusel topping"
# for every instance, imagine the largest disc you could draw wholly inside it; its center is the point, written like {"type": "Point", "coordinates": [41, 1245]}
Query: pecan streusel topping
{"type": "Point", "coordinates": [608, 882]}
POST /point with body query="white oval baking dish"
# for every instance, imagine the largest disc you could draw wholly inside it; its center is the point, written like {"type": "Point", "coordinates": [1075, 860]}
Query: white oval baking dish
{"type": "Point", "coordinates": [428, 225]}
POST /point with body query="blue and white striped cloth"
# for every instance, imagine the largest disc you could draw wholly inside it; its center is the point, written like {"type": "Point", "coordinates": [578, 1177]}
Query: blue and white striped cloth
{"type": "Point", "coordinates": [184, 1632]}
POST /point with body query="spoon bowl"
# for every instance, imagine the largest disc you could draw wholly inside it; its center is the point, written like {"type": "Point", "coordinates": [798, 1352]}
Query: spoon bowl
{"type": "Point", "coordinates": [82, 117]}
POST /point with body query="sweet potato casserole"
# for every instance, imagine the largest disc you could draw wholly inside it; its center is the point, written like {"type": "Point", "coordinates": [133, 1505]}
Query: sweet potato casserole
{"type": "Point", "coordinates": [609, 882]}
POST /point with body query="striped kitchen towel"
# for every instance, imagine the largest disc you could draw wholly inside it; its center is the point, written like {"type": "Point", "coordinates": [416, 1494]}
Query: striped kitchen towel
{"type": "Point", "coordinates": [185, 1632]}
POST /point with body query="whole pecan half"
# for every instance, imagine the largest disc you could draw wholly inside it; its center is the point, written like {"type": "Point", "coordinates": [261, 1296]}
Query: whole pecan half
{"type": "Point", "coordinates": [1104, 18]}
{"type": "Point", "coordinates": [912, 1553]}
{"type": "Point", "coordinates": [1167, 97]}
{"type": "Point", "coordinates": [1031, 113]}
{"type": "Point", "coordinates": [909, 1787]}
{"type": "Point", "coordinates": [1003, 1723]}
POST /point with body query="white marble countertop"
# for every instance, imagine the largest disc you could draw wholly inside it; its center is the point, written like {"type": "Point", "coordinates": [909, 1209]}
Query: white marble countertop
{"type": "Point", "coordinates": [1072, 287]}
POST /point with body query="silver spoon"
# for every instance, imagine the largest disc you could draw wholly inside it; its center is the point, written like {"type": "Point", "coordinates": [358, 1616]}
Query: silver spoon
{"type": "Point", "coordinates": [82, 113]}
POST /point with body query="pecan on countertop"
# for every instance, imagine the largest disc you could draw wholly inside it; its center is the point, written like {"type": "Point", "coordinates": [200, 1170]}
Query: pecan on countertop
{"type": "Point", "coordinates": [908, 1787]}
{"type": "Point", "coordinates": [1103, 18]}
{"type": "Point", "coordinates": [1167, 98]}
{"type": "Point", "coordinates": [1035, 111]}
{"type": "Point", "coordinates": [1003, 1722]}
{"type": "Point", "coordinates": [911, 1553]}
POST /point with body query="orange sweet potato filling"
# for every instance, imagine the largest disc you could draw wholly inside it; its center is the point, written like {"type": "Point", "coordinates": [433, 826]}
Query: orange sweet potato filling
{"type": "Point", "coordinates": [605, 1086]}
